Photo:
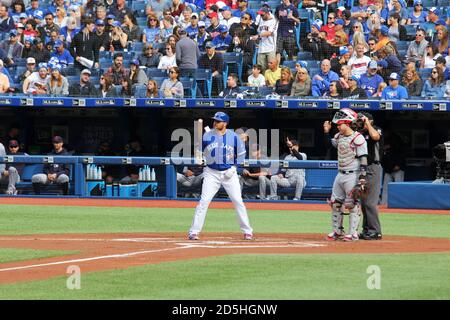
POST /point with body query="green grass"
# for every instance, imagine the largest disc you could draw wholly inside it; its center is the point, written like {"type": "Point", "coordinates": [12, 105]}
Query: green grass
{"type": "Point", "coordinates": [13, 255]}
{"type": "Point", "coordinates": [41, 220]}
{"type": "Point", "coordinates": [403, 276]}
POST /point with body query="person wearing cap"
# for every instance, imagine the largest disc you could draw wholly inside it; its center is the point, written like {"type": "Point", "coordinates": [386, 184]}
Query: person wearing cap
{"type": "Point", "coordinates": [12, 47]}
{"type": "Point", "coordinates": [202, 36]}
{"type": "Point", "coordinates": [359, 62]}
{"type": "Point", "coordinates": [288, 18]}
{"type": "Point", "coordinates": [213, 61]}
{"type": "Point", "coordinates": [150, 56]}
{"type": "Point", "coordinates": [389, 62]}
{"type": "Point", "coordinates": [85, 45]}
{"type": "Point", "coordinates": [57, 84]}
{"type": "Point", "coordinates": [119, 10]}
{"type": "Point", "coordinates": [61, 55]}
{"type": "Point", "coordinates": [434, 86]}
{"type": "Point", "coordinates": [36, 83]}
{"type": "Point", "coordinates": [84, 87]}
{"type": "Point", "coordinates": [394, 91]}
{"type": "Point", "coordinates": [354, 91]}
{"type": "Point", "coordinates": [227, 17]}
{"type": "Point", "coordinates": [214, 28]}
{"type": "Point", "coordinates": [266, 37]}
{"type": "Point", "coordinates": [187, 54]}
{"type": "Point", "coordinates": [119, 39]}
{"type": "Point", "coordinates": [117, 72]}
{"type": "Point", "coordinates": [417, 48]}
{"type": "Point", "coordinates": [192, 27]}
{"type": "Point", "coordinates": [223, 40]}
{"type": "Point", "coordinates": [6, 22]}
{"type": "Point", "coordinates": [104, 38]}
{"type": "Point", "coordinates": [54, 173]}
{"type": "Point", "coordinates": [10, 173]}
{"type": "Point", "coordinates": [31, 67]}
{"type": "Point", "coordinates": [137, 75]}
{"type": "Point", "coordinates": [383, 38]}
{"type": "Point", "coordinates": [371, 80]}
{"type": "Point", "coordinates": [418, 15]}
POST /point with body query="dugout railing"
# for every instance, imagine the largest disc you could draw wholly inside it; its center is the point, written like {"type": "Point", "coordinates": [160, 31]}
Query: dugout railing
{"type": "Point", "coordinates": [318, 180]}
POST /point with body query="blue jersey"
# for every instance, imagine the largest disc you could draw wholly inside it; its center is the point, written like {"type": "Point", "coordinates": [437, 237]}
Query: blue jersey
{"type": "Point", "coordinates": [222, 152]}
{"type": "Point", "coordinates": [398, 93]}
{"type": "Point", "coordinates": [370, 84]}
{"type": "Point", "coordinates": [222, 43]}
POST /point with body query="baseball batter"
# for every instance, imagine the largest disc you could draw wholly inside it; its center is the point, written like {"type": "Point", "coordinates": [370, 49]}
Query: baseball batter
{"type": "Point", "coordinates": [223, 150]}
{"type": "Point", "coordinates": [352, 164]}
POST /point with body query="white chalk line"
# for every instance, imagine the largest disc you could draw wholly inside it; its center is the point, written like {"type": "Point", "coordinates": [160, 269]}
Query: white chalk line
{"type": "Point", "coordinates": [123, 255]}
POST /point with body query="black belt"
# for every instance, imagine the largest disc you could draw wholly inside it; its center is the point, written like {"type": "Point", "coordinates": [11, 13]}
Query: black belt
{"type": "Point", "coordinates": [346, 172]}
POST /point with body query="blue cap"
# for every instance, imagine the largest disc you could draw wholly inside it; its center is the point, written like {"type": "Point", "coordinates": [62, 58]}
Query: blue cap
{"type": "Point", "coordinates": [110, 16]}
{"type": "Point", "coordinates": [56, 67]}
{"type": "Point", "coordinates": [99, 22]}
{"type": "Point", "coordinates": [223, 28]}
{"type": "Point", "coordinates": [135, 62]}
{"type": "Point", "coordinates": [343, 50]}
{"type": "Point", "coordinates": [58, 43]}
{"type": "Point", "coordinates": [383, 63]}
{"type": "Point", "coordinates": [302, 63]}
{"type": "Point", "coordinates": [38, 14]}
{"type": "Point", "coordinates": [355, 78]}
{"type": "Point", "coordinates": [221, 117]}
{"type": "Point", "coordinates": [23, 15]}
{"type": "Point", "coordinates": [225, 8]}
{"type": "Point", "coordinates": [435, 10]}
{"type": "Point", "coordinates": [42, 65]}
{"type": "Point", "coordinates": [416, 2]}
{"type": "Point", "coordinates": [117, 24]}
{"type": "Point", "coordinates": [394, 76]}
{"type": "Point", "coordinates": [13, 32]}
{"type": "Point", "coordinates": [339, 21]}
{"type": "Point", "coordinates": [384, 30]}
{"type": "Point", "coordinates": [440, 22]}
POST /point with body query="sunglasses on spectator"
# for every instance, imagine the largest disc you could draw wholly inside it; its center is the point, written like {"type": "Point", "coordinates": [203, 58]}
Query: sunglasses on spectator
{"type": "Point", "coordinates": [434, 71]}
{"type": "Point", "coordinates": [172, 71]}
{"type": "Point", "coordinates": [152, 20]}
{"type": "Point", "coordinates": [355, 27]}
{"type": "Point", "coordinates": [330, 18]}
{"type": "Point", "coordinates": [244, 18]}
{"type": "Point", "coordinates": [13, 147]}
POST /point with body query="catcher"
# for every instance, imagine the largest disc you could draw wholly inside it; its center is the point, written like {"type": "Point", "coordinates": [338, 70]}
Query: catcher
{"type": "Point", "coordinates": [349, 184]}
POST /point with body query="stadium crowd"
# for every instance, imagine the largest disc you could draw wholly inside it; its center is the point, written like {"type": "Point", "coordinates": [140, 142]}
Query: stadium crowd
{"type": "Point", "coordinates": [389, 49]}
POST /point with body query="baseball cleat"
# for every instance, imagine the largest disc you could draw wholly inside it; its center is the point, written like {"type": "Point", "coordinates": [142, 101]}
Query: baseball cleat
{"type": "Point", "coordinates": [334, 236]}
{"type": "Point", "coordinates": [351, 237]}
{"type": "Point", "coordinates": [248, 236]}
{"type": "Point", "coordinates": [193, 236]}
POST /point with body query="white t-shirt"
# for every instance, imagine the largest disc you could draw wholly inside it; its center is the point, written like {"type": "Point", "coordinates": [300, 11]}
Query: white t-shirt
{"type": "Point", "coordinates": [36, 81]}
{"type": "Point", "coordinates": [359, 65]}
{"type": "Point", "coordinates": [268, 44]}
{"type": "Point", "coordinates": [256, 82]}
{"type": "Point", "coordinates": [167, 62]}
{"type": "Point", "coordinates": [431, 62]}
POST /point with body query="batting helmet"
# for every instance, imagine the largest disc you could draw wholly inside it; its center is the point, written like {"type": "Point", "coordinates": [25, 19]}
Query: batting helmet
{"type": "Point", "coordinates": [221, 117]}
{"type": "Point", "coordinates": [345, 115]}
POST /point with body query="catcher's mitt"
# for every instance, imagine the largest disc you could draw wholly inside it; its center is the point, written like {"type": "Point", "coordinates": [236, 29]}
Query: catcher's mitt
{"type": "Point", "coordinates": [359, 191]}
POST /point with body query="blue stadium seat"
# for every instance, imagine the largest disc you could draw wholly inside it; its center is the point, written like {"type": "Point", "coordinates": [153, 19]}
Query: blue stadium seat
{"type": "Point", "coordinates": [189, 86]}
{"type": "Point", "coordinates": [118, 88]}
{"type": "Point", "coordinates": [429, 3]}
{"type": "Point", "coordinates": [232, 59]}
{"type": "Point", "coordinates": [17, 73]}
{"type": "Point", "coordinates": [141, 22]}
{"type": "Point", "coordinates": [153, 72]}
{"type": "Point", "coordinates": [304, 55]}
{"type": "Point", "coordinates": [138, 7]}
{"type": "Point", "coordinates": [289, 63]}
{"type": "Point", "coordinates": [137, 46]}
{"type": "Point", "coordinates": [206, 76]}
{"type": "Point", "coordinates": [140, 91]}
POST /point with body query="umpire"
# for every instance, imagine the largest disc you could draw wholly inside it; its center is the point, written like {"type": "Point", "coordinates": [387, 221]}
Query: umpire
{"type": "Point", "coordinates": [369, 203]}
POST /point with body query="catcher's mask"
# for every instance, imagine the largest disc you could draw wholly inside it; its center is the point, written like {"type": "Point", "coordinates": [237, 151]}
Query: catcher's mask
{"type": "Point", "coordinates": [345, 115]}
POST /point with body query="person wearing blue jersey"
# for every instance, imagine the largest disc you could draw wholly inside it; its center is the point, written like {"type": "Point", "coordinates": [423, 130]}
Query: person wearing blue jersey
{"type": "Point", "coordinates": [394, 91]}
{"type": "Point", "coordinates": [223, 150]}
{"type": "Point", "coordinates": [370, 80]}
{"type": "Point", "coordinates": [243, 8]}
{"type": "Point", "coordinates": [223, 40]}
{"type": "Point", "coordinates": [61, 55]}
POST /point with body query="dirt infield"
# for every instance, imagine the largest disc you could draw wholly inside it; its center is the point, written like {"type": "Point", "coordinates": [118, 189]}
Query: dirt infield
{"type": "Point", "coordinates": [191, 204]}
{"type": "Point", "coordinates": [119, 251]}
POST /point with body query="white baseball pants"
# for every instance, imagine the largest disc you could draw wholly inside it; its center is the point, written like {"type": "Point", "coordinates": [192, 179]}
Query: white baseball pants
{"type": "Point", "coordinates": [212, 181]}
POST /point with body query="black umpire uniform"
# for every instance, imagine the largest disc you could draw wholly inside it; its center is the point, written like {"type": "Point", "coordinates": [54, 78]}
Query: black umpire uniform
{"type": "Point", "coordinates": [369, 203]}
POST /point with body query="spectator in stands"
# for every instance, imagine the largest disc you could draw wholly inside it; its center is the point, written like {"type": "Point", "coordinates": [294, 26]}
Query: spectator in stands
{"type": "Point", "coordinates": [169, 59]}
{"type": "Point", "coordinates": [83, 88]}
{"type": "Point", "coordinates": [370, 81]}
{"type": "Point", "coordinates": [442, 40]}
{"type": "Point", "coordinates": [117, 71]}
{"type": "Point", "coordinates": [316, 42]}
{"type": "Point", "coordinates": [107, 88]}
{"type": "Point", "coordinates": [354, 91]}
{"type": "Point", "coordinates": [288, 18]}
{"type": "Point", "coordinates": [119, 10]}
{"type": "Point", "coordinates": [187, 55]}
{"type": "Point", "coordinates": [36, 83]}
{"type": "Point", "coordinates": [417, 16]}
{"type": "Point", "coordinates": [4, 80]}
{"type": "Point", "coordinates": [302, 84]}
{"type": "Point", "coordinates": [340, 37]}
{"type": "Point", "coordinates": [61, 17]}
{"type": "Point", "coordinates": [246, 25]}
{"type": "Point", "coordinates": [329, 28]}
{"type": "Point", "coordinates": [242, 44]}
{"type": "Point", "coordinates": [127, 88]}
{"type": "Point", "coordinates": [321, 82]}
{"type": "Point", "coordinates": [290, 177]}
{"type": "Point", "coordinates": [100, 13]}
{"type": "Point", "coordinates": [31, 67]}
{"type": "Point", "coordinates": [61, 55]}
{"type": "Point", "coordinates": [336, 91]}
{"type": "Point", "coordinates": [131, 28]}
{"type": "Point", "coordinates": [55, 5]}
{"type": "Point", "coordinates": [192, 177]}
{"type": "Point", "coordinates": [283, 86]}
{"type": "Point", "coordinates": [256, 79]}
{"type": "Point", "coordinates": [84, 46]}
{"type": "Point", "coordinates": [137, 75]}
{"type": "Point", "coordinates": [27, 46]}
{"type": "Point", "coordinates": [360, 13]}
{"type": "Point", "coordinates": [273, 73]}
{"type": "Point", "coordinates": [396, 30]}
{"type": "Point", "coordinates": [383, 38]}
{"type": "Point", "coordinates": [394, 91]}
{"type": "Point", "coordinates": [54, 172]}
{"type": "Point", "coordinates": [202, 36]}
{"type": "Point", "coordinates": [398, 8]}
{"type": "Point", "coordinates": [214, 62]}
{"type": "Point", "coordinates": [158, 6]}
{"type": "Point", "coordinates": [104, 38]}
{"type": "Point", "coordinates": [151, 34]}
{"type": "Point", "coordinates": [57, 84]}
{"type": "Point", "coordinates": [380, 89]}
{"type": "Point", "coordinates": [12, 171]}
{"type": "Point", "coordinates": [417, 48]}
{"type": "Point", "coordinates": [110, 18]}
{"type": "Point", "coordinates": [359, 62]}
{"type": "Point", "coordinates": [167, 28]}
{"type": "Point", "coordinates": [187, 18]}
{"type": "Point", "coordinates": [172, 87]}
{"type": "Point", "coordinates": [430, 57]}
{"type": "Point", "coordinates": [342, 59]}
{"type": "Point", "coordinates": [152, 90]}
{"type": "Point", "coordinates": [223, 40]}
{"type": "Point", "coordinates": [232, 88]}
{"type": "Point", "coordinates": [431, 21]}
{"type": "Point", "coordinates": [346, 74]}
{"type": "Point", "coordinates": [442, 65]}
{"type": "Point", "coordinates": [6, 22]}
{"type": "Point", "coordinates": [214, 27]}
{"type": "Point", "coordinates": [412, 82]}
{"type": "Point", "coordinates": [70, 30]}
{"type": "Point", "coordinates": [119, 39]}
{"type": "Point", "coordinates": [192, 27]}
{"type": "Point", "coordinates": [255, 176]}
{"type": "Point", "coordinates": [266, 36]}
{"type": "Point", "coordinates": [434, 86]}
{"type": "Point", "coordinates": [389, 62]}
{"type": "Point", "coordinates": [243, 8]}
{"type": "Point", "coordinates": [227, 18]}
{"type": "Point", "coordinates": [371, 43]}
{"type": "Point", "coordinates": [150, 56]}
{"type": "Point", "coordinates": [48, 27]}
{"type": "Point", "coordinates": [12, 47]}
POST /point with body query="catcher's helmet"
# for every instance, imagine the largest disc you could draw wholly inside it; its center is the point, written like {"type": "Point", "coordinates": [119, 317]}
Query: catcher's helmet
{"type": "Point", "coordinates": [221, 117]}
{"type": "Point", "coordinates": [345, 115]}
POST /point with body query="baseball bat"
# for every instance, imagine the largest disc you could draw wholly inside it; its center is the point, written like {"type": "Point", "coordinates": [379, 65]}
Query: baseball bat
{"type": "Point", "coordinates": [198, 136]}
